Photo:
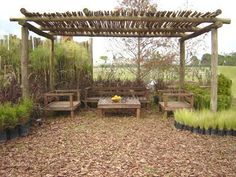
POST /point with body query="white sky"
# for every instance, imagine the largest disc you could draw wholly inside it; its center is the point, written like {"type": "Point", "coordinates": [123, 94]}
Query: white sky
{"type": "Point", "coordinates": [227, 37]}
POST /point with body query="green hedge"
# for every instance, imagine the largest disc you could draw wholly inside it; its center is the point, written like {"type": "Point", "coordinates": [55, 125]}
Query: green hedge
{"type": "Point", "coordinates": [202, 96]}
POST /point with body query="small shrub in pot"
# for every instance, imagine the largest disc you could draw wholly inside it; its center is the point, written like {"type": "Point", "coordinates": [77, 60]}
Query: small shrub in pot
{"type": "Point", "coordinates": [23, 112]}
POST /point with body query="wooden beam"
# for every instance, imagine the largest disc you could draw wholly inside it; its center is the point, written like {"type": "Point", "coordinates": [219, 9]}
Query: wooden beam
{"type": "Point", "coordinates": [117, 35]}
{"type": "Point", "coordinates": [36, 30]}
{"type": "Point", "coordinates": [214, 63]}
{"type": "Point", "coordinates": [90, 50]}
{"type": "Point", "coordinates": [51, 66]}
{"type": "Point", "coordinates": [202, 31]}
{"type": "Point", "coordinates": [124, 18]}
{"type": "Point", "coordinates": [182, 64]}
{"type": "Point", "coordinates": [122, 30]}
{"type": "Point", "coordinates": [24, 62]}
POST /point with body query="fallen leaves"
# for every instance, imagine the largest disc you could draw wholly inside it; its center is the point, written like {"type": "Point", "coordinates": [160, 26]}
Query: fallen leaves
{"type": "Point", "coordinates": [116, 146]}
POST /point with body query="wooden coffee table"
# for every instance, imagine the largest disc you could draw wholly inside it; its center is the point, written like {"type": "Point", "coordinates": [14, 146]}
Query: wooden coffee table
{"type": "Point", "coordinates": [125, 103]}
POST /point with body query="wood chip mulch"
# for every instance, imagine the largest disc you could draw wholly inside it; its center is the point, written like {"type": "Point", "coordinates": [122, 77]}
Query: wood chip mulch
{"type": "Point", "coordinates": [89, 145]}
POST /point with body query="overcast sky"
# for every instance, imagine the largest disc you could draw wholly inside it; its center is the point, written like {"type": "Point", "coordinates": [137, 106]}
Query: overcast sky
{"type": "Point", "coordinates": [227, 37]}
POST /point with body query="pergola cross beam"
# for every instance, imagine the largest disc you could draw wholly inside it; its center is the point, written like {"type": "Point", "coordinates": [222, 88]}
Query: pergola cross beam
{"type": "Point", "coordinates": [123, 23]}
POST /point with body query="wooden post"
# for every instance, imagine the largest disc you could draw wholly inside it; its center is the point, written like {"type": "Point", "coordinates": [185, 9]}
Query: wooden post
{"type": "Point", "coordinates": [138, 113]}
{"type": "Point", "coordinates": [24, 62]}
{"type": "Point", "coordinates": [182, 64]}
{"type": "Point", "coordinates": [214, 63]}
{"type": "Point", "coordinates": [90, 49]}
{"type": "Point", "coordinates": [138, 76]}
{"type": "Point", "coordinates": [51, 66]}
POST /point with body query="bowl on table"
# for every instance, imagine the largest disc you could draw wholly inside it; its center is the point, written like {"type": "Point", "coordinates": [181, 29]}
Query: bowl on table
{"type": "Point", "coordinates": [116, 99]}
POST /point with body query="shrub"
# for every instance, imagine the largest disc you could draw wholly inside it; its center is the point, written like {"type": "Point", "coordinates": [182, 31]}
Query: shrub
{"type": "Point", "coordinates": [24, 110]}
{"type": "Point", "coordinates": [2, 118]}
{"type": "Point", "coordinates": [202, 96]}
{"type": "Point", "coordinates": [11, 115]}
{"type": "Point", "coordinates": [224, 85]}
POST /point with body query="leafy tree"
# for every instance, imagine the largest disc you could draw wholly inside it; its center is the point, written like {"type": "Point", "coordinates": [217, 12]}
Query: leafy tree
{"type": "Point", "coordinates": [206, 60]}
{"type": "Point", "coordinates": [226, 59]}
{"type": "Point", "coordinates": [194, 61]}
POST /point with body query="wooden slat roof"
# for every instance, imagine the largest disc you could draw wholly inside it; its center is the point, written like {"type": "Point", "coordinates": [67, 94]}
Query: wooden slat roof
{"type": "Point", "coordinates": [120, 23]}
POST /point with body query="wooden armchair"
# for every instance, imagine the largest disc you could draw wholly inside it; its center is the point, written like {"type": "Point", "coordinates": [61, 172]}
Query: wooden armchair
{"type": "Point", "coordinates": [171, 100]}
{"type": "Point", "coordinates": [62, 100]}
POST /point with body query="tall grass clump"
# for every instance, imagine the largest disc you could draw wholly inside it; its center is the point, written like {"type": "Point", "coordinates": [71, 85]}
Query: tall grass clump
{"type": "Point", "coordinates": [205, 119]}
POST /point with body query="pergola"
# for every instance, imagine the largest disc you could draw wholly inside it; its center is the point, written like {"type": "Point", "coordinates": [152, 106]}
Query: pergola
{"type": "Point", "coordinates": [122, 23]}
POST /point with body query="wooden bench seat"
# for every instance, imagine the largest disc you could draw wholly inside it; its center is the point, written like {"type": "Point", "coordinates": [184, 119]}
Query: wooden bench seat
{"type": "Point", "coordinates": [171, 100]}
{"type": "Point", "coordinates": [62, 100]}
{"type": "Point", "coordinates": [93, 94]}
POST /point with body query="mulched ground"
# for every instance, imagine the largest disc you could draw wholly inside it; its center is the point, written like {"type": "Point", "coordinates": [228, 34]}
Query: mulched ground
{"type": "Point", "coordinates": [116, 146]}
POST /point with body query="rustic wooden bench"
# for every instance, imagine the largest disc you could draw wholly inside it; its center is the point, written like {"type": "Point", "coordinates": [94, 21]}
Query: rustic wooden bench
{"type": "Point", "coordinates": [93, 94]}
{"type": "Point", "coordinates": [171, 100]}
{"type": "Point", "coordinates": [62, 100]}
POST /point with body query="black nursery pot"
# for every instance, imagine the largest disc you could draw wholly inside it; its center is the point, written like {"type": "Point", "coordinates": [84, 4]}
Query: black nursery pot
{"type": "Point", "coordinates": [24, 129]}
{"type": "Point", "coordinates": [208, 131]}
{"type": "Point", "coordinates": [156, 99]}
{"type": "Point", "coordinates": [12, 133]}
{"type": "Point", "coordinates": [3, 136]}
{"type": "Point", "coordinates": [201, 131]}
{"type": "Point", "coordinates": [195, 129]}
{"type": "Point", "coordinates": [229, 132]}
{"type": "Point", "coordinates": [234, 132]}
{"type": "Point", "coordinates": [214, 131]}
{"type": "Point", "coordinates": [221, 132]}
{"type": "Point", "coordinates": [178, 125]}
{"type": "Point", "coordinates": [189, 128]}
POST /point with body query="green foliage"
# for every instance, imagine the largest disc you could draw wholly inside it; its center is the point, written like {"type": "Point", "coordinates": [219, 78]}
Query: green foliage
{"type": "Point", "coordinates": [11, 115]}
{"type": "Point", "coordinates": [229, 72]}
{"type": "Point", "coordinates": [205, 119]}
{"type": "Point", "coordinates": [202, 95]}
{"type": "Point", "coordinates": [224, 85]}
{"type": "Point", "coordinates": [73, 64]}
{"type": "Point", "coordinates": [24, 110]}
{"type": "Point", "coordinates": [223, 60]}
{"type": "Point", "coordinates": [39, 58]}
{"type": "Point", "coordinates": [2, 118]}
{"type": "Point", "coordinates": [11, 56]}
{"type": "Point", "coordinates": [206, 60]}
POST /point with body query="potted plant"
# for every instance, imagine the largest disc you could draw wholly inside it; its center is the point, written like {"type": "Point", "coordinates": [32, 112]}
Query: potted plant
{"type": "Point", "coordinates": [11, 120]}
{"type": "Point", "coordinates": [207, 126]}
{"type": "Point", "coordinates": [3, 132]}
{"type": "Point", "coordinates": [179, 124]}
{"type": "Point", "coordinates": [230, 122]}
{"type": "Point", "coordinates": [23, 113]}
{"type": "Point", "coordinates": [201, 123]}
{"type": "Point", "coordinates": [195, 124]}
{"type": "Point", "coordinates": [221, 125]}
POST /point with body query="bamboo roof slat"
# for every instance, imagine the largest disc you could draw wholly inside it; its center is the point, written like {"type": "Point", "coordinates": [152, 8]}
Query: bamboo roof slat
{"type": "Point", "coordinates": [125, 22]}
